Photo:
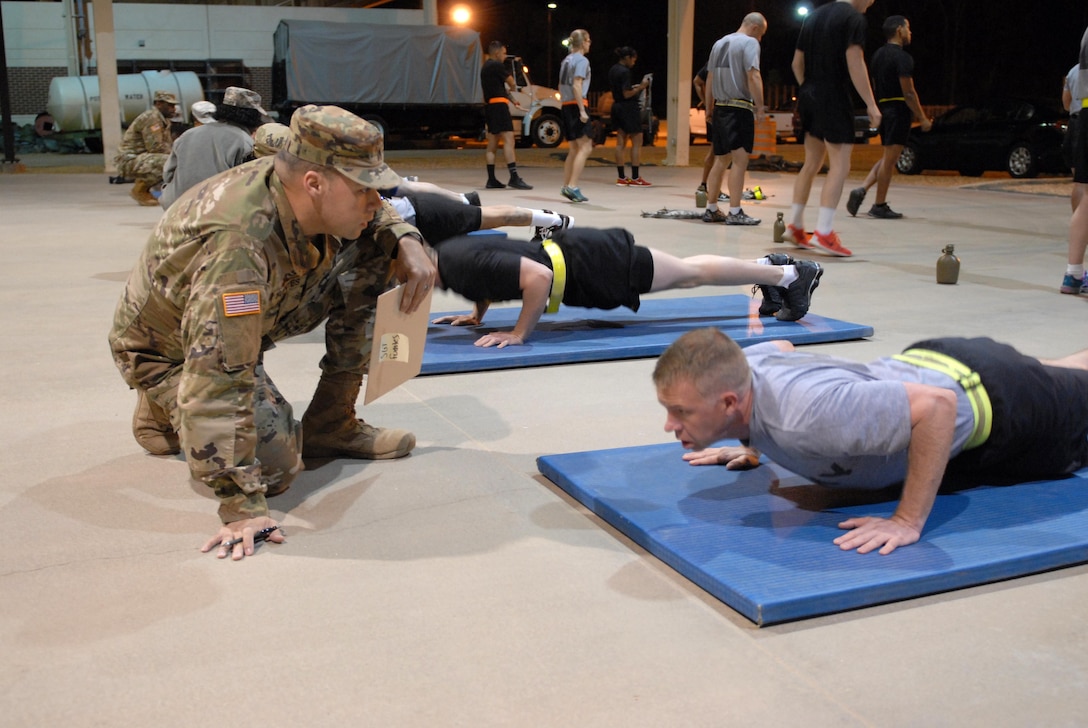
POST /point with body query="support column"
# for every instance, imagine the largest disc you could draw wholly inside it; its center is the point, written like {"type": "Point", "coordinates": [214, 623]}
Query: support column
{"type": "Point", "coordinates": [105, 53]}
{"type": "Point", "coordinates": [681, 32]}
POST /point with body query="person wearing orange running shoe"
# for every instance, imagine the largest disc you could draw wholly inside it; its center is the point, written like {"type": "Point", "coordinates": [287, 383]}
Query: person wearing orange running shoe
{"type": "Point", "coordinates": [830, 56]}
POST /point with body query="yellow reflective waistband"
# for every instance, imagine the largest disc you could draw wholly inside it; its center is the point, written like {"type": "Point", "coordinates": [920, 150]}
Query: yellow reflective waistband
{"type": "Point", "coordinates": [891, 98]}
{"type": "Point", "coordinates": [559, 275]}
{"type": "Point", "coordinates": [1084, 103]}
{"type": "Point", "coordinates": [739, 103]}
{"type": "Point", "coordinates": [968, 379]}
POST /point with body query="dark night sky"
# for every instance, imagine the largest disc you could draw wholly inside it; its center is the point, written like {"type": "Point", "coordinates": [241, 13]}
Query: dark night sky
{"type": "Point", "coordinates": [964, 50]}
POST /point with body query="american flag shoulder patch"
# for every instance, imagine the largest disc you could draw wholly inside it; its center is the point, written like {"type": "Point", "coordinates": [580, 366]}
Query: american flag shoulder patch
{"type": "Point", "coordinates": [241, 303]}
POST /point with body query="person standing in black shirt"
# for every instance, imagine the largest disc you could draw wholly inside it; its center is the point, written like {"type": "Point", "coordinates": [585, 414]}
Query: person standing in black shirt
{"type": "Point", "coordinates": [497, 82]}
{"type": "Point", "coordinates": [627, 114]}
{"type": "Point", "coordinates": [893, 86]}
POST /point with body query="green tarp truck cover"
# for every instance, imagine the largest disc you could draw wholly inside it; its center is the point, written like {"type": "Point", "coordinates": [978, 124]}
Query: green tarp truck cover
{"type": "Point", "coordinates": [370, 63]}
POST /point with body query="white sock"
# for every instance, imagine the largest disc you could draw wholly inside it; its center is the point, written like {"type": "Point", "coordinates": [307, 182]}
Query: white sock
{"type": "Point", "coordinates": [544, 218]}
{"type": "Point", "coordinates": [734, 210]}
{"type": "Point", "coordinates": [1077, 271]}
{"type": "Point", "coordinates": [789, 275]}
{"type": "Point", "coordinates": [824, 221]}
{"type": "Point", "coordinates": [797, 214]}
{"type": "Point", "coordinates": [464, 200]}
{"type": "Point", "coordinates": [712, 206]}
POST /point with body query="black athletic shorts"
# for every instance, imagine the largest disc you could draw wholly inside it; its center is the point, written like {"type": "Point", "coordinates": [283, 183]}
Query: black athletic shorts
{"type": "Point", "coordinates": [1039, 424]}
{"type": "Point", "coordinates": [439, 218]}
{"type": "Point", "coordinates": [626, 117]}
{"type": "Point", "coordinates": [605, 269]}
{"type": "Point", "coordinates": [1078, 129]}
{"type": "Point", "coordinates": [573, 124]}
{"type": "Point", "coordinates": [734, 128]}
{"type": "Point", "coordinates": [826, 113]}
{"type": "Point", "coordinates": [895, 123]}
{"type": "Point", "coordinates": [498, 118]}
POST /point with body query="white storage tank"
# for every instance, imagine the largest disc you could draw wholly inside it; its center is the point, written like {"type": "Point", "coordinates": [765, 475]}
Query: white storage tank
{"type": "Point", "coordinates": [75, 102]}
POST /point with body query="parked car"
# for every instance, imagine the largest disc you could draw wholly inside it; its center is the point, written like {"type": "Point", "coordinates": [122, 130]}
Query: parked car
{"type": "Point", "coordinates": [783, 121]}
{"type": "Point", "coordinates": [1021, 137]}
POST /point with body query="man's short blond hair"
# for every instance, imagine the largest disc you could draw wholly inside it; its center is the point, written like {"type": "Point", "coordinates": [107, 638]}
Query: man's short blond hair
{"type": "Point", "coordinates": [708, 359]}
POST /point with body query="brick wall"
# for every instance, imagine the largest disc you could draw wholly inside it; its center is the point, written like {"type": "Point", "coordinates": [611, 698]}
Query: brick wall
{"type": "Point", "coordinates": [30, 87]}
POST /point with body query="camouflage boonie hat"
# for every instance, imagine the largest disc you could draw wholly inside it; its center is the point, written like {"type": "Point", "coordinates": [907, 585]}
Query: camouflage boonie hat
{"type": "Point", "coordinates": [333, 137]}
{"type": "Point", "coordinates": [243, 98]}
{"type": "Point", "coordinates": [270, 138]}
{"type": "Point", "coordinates": [167, 97]}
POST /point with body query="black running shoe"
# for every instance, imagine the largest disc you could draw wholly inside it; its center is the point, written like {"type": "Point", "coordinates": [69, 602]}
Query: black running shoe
{"type": "Point", "coordinates": [473, 198]}
{"type": "Point", "coordinates": [797, 297]}
{"type": "Point", "coordinates": [494, 184]}
{"type": "Point", "coordinates": [853, 203]}
{"type": "Point", "coordinates": [518, 183]}
{"type": "Point", "coordinates": [883, 212]}
{"type": "Point", "coordinates": [772, 295]}
{"type": "Point", "coordinates": [713, 215]}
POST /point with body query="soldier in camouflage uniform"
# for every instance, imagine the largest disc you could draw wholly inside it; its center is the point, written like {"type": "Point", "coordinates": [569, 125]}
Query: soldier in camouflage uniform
{"type": "Point", "coordinates": [145, 147]}
{"type": "Point", "coordinates": [247, 258]}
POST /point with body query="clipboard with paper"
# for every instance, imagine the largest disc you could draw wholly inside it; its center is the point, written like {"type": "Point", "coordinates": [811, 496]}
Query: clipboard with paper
{"type": "Point", "coordinates": [399, 339]}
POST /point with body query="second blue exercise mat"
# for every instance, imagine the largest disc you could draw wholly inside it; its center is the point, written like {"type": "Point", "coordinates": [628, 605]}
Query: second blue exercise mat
{"type": "Point", "coordinates": [765, 547]}
{"type": "Point", "coordinates": [584, 335]}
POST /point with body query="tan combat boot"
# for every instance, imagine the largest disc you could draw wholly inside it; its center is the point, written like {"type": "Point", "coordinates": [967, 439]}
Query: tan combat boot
{"type": "Point", "coordinates": [152, 429]}
{"type": "Point", "coordinates": [141, 192]}
{"type": "Point", "coordinates": [330, 428]}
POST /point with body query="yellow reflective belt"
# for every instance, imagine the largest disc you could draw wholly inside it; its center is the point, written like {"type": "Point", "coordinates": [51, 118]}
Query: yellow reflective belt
{"type": "Point", "coordinates": [738, 103]}
{"type": "Point", "coordinates": [891, 98]}
{"type": "Point", "coordinates": [559, 275]}
{"type": "Point", "coordinates": [1084, 103]}
{"type": "Point", "coordinates": [969, 380]}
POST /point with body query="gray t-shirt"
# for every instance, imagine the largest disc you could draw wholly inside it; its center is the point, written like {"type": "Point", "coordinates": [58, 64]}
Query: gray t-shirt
{"type": "Point", "coordinates": [730, 60]}
{"type": "Point", "coordinates": [838, 422]}
{"type": "Point", "coordinates": [575, 65]}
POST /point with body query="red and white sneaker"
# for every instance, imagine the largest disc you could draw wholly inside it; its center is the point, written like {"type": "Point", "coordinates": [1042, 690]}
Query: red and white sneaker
{"type": "Point", "coordinates": [622, 182]}
{"type": "Point", "coordinates": [830, 244]}
{"type": "Point", "coordinates": [639, 183]}
{"type": "Point", "coordinates": [797, 236]}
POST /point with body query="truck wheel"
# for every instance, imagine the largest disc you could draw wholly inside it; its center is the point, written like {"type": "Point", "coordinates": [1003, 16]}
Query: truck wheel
{"type": "Point", "coordinates": [547, 131]}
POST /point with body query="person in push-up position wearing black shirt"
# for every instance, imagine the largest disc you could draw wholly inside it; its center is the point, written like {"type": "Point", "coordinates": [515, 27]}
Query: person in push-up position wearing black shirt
{"type": "Point", "coordinates": [600, 268]}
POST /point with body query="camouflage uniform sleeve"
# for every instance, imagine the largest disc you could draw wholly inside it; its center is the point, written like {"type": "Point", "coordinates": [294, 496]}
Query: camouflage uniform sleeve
{"type": "Point", "coordinates": [221, 331]}
{"type": "Point", "coordinates": [156, 135]}
{"type": "Point", "coordinates": [387, 228]}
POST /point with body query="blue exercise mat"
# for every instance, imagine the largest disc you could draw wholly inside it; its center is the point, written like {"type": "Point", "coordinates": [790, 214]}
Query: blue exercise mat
{"type": "Point", "coordinates": [582, 335]}
{"type": "Point", "coordinates": [766, 550]}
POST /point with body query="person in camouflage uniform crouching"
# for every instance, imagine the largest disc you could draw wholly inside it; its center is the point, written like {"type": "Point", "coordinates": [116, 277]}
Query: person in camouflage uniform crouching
{"type": "Point", "coordinates": [247, 258]}
{"type": "Point", "coordinates": [145, 147]}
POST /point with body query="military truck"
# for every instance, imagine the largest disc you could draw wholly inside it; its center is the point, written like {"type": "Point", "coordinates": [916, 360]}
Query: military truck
{"type": "Point", "coordinates": [412, 81]}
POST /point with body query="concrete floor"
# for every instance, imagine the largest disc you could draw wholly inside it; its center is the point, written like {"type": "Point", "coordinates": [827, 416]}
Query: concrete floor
{"type": "Point", "coordinates": [457, 586]}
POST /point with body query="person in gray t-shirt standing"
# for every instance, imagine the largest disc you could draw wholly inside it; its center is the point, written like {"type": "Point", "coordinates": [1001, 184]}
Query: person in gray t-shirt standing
{"type": "Point", "coordinates": [734, 90]}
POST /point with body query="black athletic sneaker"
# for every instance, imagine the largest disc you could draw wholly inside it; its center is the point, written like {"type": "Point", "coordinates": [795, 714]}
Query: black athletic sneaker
{"type": "Point", "coordinates": [713, 215]}
{"type": "Point", "coordinates": [884, 212]}
{"type": "Point", "coordinates": [473, 198]}
{"type": "Point", "coordinates": [797, 297]}
{"type": "Point", "coordinates": [853, 203]}
{"type": "Point", "coordinates": [772, 295]}
{"type": "Point", "coordinates": [494, 184]}
{"type": "Point", "coordinates": [741, 218]}
{"type": "Point", "coordinates": [518, 183]}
